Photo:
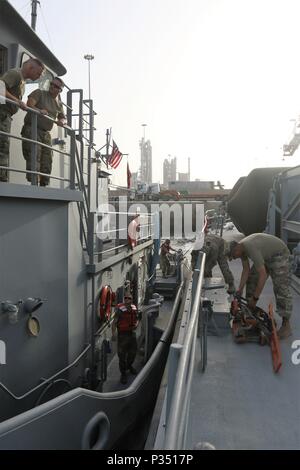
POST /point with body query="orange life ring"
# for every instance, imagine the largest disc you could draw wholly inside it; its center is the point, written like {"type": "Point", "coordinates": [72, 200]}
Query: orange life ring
{"type": "Point", "coordinates": [106, 300]}
{"type": "Point", "coordinates": [133, 229]}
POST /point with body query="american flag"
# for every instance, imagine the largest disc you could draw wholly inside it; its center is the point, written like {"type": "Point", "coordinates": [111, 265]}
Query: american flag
{"type": "Point", "coordinates": [116, 156]}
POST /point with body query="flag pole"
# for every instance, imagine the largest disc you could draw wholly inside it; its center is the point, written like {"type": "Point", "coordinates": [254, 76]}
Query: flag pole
{"type": "Point", "coordinates": [108, 136]}
{"type": "Point", "coordinates": [128, 174]}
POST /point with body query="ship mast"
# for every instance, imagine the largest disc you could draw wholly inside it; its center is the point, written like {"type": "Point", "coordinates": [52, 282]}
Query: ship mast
{"type": "Point", "coordinates": [34, 4]}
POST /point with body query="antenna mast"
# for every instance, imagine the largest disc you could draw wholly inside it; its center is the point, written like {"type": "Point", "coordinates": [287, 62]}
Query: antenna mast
{"type": "Point", "coordinates": [34, 4]}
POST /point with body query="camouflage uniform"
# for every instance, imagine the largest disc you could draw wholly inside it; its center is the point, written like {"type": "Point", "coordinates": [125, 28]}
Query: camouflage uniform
{"type": "Point", "coordinates": [164, 259]}
{"type": "Point", "coordinates": [15, 84]}
{"type": "Point", "coordinates": [45, 101]}
{"type": "Point", "coordinates": [214, 249]}
{"type": "Point", "coordinates": [44, 155]}
{"type": "Point", "coordinates": [164, 264]}
{"type": "Point", "coordinates": [279, 268]}
{"type": "Point", "coordinates": [5, 126]}
{"type": "Point", "coordinates": [127, 349]}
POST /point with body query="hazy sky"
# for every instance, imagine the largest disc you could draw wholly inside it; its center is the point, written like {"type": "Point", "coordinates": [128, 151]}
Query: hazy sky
{"type": "Point", "coordinates": [214, 80]}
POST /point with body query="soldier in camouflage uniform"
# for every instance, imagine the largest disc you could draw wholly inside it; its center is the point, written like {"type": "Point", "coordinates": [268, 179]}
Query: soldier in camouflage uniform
{"type": "Point", "coordinates": [271, 257]}
{"type": "Point", "coordinates": [14, 81]}
{"type": "Point", "coordinates": [47, 104]}
{"type": "Point", "coordinates": [214, 247]}
{"type": "Point", "coordinates": [126, 321]}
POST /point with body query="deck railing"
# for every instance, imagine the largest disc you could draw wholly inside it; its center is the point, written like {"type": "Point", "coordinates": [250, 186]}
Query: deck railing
{"type": "Point", "coordinates": [81, 177]}
{"type": "Point", "coordinates": [182, 363]}
{"type": "Point", "coordinates": [34, 146]}
{"type": "Point", "coordinates": [109, 240]}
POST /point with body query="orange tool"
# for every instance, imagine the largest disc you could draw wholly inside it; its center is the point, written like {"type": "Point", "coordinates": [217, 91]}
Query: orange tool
{"type": "Point", "coordinates": [274, 343]}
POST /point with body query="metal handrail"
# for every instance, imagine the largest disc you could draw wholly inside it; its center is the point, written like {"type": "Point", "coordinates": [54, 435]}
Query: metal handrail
{"type": "Point", "coordinates": [177, 420]}
{"type": "Point", "coordinates": [31, 141]}
{"type": "Point", "coordinates": [76, 170]}
{"type": "Point", "coordinates": [117, 247]}
{"type": "Point", "coordinates": [120, 229]}
{"type": "Point", "coordinates": [45, 381]}
{"type": "Point", "coordinates": [80, 177]}
{"type": "Point", "coordinates": [16, 170]}
{"type": "Point", "coordinates": [66, 106]}
{"type": "Point", "coordinates": [113, 230]}
{"type": "Point", "coordinates": [110, 249]}
{"type": "Point", "coordinates": [35, 143]}
{"type": "Point", "coordinates": [146, 225]}
{"type": "Point", "coordinates": [144, 238]}
{"type": "Point", "coordinates": [34, 111]}
{"type": "Point", "coordinates": [134, 214]}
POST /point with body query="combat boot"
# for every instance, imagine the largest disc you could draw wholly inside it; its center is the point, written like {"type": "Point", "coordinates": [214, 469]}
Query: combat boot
{"type": "Point", "coordinates": [285, 330]}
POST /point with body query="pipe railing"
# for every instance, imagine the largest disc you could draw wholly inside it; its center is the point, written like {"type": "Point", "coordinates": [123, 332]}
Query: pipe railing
{"type": "Point", "coordinates": [32, 141]}
{"type": "Point", "coordinates": [45, 381]}
{"type": "Point", "coordinates": [114, 235]}
{"type": "Point", "coordinates": [35, 143]}
{"type": "Point", "coordinates": [109, 250]}
{"type": "Point", "coordinates": [33, 111]}
{"type": "Point", "coordinates": [135, 214]}
{"type": "Point", "coordinates": [38, 173]}
{"type": "Point", "coordinates": [117, 230]}
{"type": "Point", "coordinates": [177, 418]}
{"type": "Point", "coordinates": [76, 172]}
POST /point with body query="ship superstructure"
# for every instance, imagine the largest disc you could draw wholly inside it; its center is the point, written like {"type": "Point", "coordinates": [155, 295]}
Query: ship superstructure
{"type": "Point", "coordinates": [59, 247]}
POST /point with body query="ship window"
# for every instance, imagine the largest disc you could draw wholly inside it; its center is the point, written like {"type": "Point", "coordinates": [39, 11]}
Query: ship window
{"type": "Point", "coordinates": [3, 59]}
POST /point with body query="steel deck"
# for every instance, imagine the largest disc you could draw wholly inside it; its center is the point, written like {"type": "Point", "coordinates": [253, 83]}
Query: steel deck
{"type": "Point", "coordinates": [239, 403]}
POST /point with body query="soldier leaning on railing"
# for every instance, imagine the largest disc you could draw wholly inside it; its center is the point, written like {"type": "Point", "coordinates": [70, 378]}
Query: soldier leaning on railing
{"type": "Point", "coordinates": [14, 81]}
{"type": "Point", "coordinates": [46, 102]}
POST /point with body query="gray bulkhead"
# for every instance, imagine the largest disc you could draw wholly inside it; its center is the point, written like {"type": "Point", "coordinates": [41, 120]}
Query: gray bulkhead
{"type": "Point", "coordinates": [41, 254]}
{"type": "Point", "coordinates": [40, 250]}
{"type": "Point", "coordinates": [34, 239]}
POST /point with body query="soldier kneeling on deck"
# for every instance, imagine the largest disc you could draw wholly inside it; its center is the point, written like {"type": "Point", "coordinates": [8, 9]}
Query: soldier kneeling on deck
{"type": "Point", "coordinates": [214, 248]}
{"type": "Point", "coordinates": [47, 104]}
{"type": "Point", "coordinates": [126, 321]}
{"type": "Point", "coordinates": [271, 257]}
